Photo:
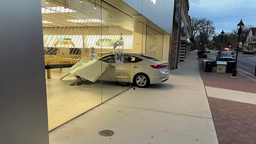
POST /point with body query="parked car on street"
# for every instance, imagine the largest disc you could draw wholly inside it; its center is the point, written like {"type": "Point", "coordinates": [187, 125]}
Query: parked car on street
{"type": "Point", "coordinates": [138, 69]}
{"type": "Point", "coordinates": [231, 50]}
{"type": "Point", "coordinates": [225, 56]}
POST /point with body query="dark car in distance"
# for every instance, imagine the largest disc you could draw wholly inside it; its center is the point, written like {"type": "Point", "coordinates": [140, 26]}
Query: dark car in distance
{"type": "Point", "coordinates": [225, 56]}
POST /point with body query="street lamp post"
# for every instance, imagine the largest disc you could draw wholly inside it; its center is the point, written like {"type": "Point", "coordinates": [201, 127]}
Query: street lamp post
{"type": "Point", "coordinates": [240, 27]}
{"type": "Point", "coordinates": [205, 43]}
{"type": "Point", "coordinates": [222, 33]}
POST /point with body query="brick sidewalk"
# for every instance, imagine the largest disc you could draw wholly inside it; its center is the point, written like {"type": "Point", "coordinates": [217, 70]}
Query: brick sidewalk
{"type": "Point", "coordinates": [235, 122]}
{"type": "Point", "coordinates": [217, 80]}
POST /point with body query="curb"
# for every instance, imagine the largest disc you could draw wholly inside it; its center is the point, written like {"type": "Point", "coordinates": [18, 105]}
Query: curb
{"type": "Point", "coordinates": [246, 74]}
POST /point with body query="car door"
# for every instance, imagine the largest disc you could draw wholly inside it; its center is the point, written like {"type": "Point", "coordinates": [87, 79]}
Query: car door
{"type": "Point", "coordinates": [137, 66]}
{"type": "Point", "coordinates": [123, 72]}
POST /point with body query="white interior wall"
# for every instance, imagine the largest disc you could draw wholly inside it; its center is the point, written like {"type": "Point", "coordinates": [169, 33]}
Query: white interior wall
{"type": "Point", "coordinates": [144, 39]}
{"type": "Point", "coordinates": [166, 47]}
{"type": "Point", "coordinates": [138, 43]}
{"type": "Point", "coordinates": [159, 50]}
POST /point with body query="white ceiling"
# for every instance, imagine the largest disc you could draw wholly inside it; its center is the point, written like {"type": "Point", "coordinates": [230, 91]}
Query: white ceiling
{"type": "Point", "coordinates": [86, 11]}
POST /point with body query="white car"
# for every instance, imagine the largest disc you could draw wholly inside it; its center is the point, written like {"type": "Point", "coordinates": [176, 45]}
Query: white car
{"type": "Point", "coordinates": [138, 69]}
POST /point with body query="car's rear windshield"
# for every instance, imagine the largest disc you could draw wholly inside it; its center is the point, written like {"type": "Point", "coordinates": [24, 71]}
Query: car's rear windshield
{"type": "Point", "coordinates": [148, 57]}
{"type": "Point", "coordinates": [226, 54]}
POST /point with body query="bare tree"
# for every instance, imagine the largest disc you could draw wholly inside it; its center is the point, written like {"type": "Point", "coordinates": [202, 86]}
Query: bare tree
{"type": "Point", "coordinates": [194, 25]}
{"type": "Point", "coordinates": [244, 34]}
{"type": "Point", "coordinates": [203, 29]}
{"type": "Point", "coordinates": [230, 39]}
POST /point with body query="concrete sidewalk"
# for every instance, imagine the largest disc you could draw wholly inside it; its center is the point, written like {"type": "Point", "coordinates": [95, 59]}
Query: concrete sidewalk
{"type": "Point", "coordinates": [175, 112]}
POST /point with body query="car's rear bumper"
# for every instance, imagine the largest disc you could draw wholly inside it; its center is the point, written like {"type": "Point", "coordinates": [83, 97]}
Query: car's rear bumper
{"type": "Point", "coordinates": [165, 79]}
{"type": "Point", "coordinates": [159, 79]}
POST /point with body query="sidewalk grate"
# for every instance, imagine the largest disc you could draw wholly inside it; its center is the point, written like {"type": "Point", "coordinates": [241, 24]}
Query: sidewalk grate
{"type": "Point", "coordinates": [107, 133]}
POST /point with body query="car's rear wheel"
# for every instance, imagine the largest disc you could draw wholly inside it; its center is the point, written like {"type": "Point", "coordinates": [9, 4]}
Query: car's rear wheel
{"type": "Point", "coordinates": [141, 80]}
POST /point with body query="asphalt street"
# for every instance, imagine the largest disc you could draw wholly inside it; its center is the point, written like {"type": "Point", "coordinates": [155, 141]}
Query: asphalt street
{"type": "Point", "coordinates": [246, 63]}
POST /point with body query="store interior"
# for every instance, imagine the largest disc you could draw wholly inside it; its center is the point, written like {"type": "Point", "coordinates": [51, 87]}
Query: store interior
{"type": "Point", "coordinates": [75, 30]}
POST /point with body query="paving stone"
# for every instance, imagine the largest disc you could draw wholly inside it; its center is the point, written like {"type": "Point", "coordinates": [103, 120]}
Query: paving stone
{"type": "Point", "coordinates": [213, 79]}
{"type": "Point", "coordinates": [231, 127]}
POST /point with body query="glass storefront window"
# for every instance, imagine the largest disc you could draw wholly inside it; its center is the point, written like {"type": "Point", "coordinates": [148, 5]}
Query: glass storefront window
{"type": "Point", "coordinates": [71, 30]}
{"type": "Point", "coordinates": [117, 28]}
{"type": "Point", "coordinates": [99, 40]}
{"type": "Point", "coordinates": [154, 44]}
{"type": "Point", "coordinates": [92, 36]}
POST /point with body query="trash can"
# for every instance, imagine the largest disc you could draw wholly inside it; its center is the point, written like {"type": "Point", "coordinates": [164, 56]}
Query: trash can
{"type": "Point", "coordinates": [230, 66]}
{"type": "Point", "coordinates": [208, 64]}
{"type": "Point", "coordinates": [201, 54]}
{"type": "Point", "coordinates": [221, 66]}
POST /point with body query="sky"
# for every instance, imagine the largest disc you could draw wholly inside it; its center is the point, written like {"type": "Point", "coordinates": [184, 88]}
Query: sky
{"type": "Point", "coordinates": [225, 14]}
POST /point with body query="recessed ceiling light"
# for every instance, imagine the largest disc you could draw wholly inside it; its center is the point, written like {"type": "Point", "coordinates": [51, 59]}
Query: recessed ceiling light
{"type": "Point", "coordinates": [46, 22]}
{"type": "Point", "coordinates": [94, 20]}
{"type": "Point", "coordinates": [61, 9]}
{"type": "Point", "coordinates": [85, 20]}
{"type": "Point", "coordinates": [77, 20]}
{"type": "Point", "coordinates": [45, 10]}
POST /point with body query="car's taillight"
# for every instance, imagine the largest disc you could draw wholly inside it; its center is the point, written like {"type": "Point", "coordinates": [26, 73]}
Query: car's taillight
{"type": "Point", "coordinates": [158, 66]}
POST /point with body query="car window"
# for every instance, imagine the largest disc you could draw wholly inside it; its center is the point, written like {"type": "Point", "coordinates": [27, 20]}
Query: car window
{"type": "Point", "coordinates": [226, 54]}
{"type": "Point", "coordinates": [135, 59]}
{"type": "Point", "coordinates": [131, 59]}
{"type": "Point", "coordinates": [148, 57]}
{"type": "Point", "coordinates": [108, 59]}
{"type": "Point", "coordinates": [127, 59]}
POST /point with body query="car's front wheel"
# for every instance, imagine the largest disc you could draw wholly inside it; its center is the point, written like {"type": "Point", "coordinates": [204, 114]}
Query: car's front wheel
{"type": "Point", "coordinates": [141, 80]}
